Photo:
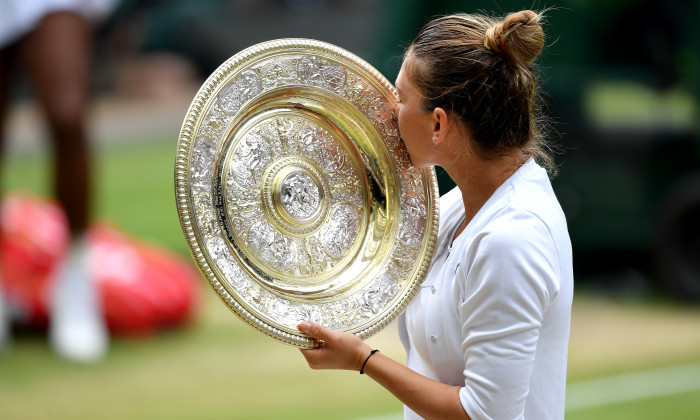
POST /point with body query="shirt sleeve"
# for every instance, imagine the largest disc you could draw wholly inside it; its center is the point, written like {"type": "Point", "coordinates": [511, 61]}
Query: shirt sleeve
{"type": "Point", "coordinates": [508, 280]}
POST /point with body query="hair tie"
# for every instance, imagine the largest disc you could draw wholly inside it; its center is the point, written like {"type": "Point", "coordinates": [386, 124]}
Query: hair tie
{"type": "Point", "coordinates": [503, 47]}
{"type": "Point", "coordinates": [362, 371]}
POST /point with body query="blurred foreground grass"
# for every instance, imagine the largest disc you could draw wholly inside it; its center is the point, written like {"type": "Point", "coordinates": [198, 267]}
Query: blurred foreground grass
{"type": "Point", "coordinates": [219, 368]}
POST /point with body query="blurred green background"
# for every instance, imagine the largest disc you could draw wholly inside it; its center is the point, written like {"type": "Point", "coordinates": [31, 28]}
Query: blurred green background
{"type": "Point", "coordinates": [622, 86]}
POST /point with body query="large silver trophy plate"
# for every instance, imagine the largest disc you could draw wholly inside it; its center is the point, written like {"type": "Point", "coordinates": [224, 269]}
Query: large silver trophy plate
{"type": "Point", "coordinates": [296, 195]}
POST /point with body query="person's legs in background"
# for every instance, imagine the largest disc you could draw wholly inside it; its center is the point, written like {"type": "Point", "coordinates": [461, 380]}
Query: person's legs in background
{"type": "Point", "coordinates": [56, 57]}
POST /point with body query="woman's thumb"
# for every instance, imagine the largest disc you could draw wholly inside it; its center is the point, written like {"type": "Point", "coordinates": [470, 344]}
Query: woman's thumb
{"type": "Point", "coordinates": [312, 329]}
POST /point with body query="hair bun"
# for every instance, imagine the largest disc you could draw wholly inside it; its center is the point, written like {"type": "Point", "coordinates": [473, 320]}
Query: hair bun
{"type": "Point", "coordinates": [519, 36]}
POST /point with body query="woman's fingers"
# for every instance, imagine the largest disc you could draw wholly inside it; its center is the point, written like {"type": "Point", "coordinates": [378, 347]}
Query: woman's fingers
{"type": "Point", "coordinates": [337, 350]}
{"type": "Point", "coordinates": [316, 358]}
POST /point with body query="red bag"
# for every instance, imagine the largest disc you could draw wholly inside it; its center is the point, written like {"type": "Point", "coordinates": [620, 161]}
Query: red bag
{"type": "Point", "coordinates": [143, 288]}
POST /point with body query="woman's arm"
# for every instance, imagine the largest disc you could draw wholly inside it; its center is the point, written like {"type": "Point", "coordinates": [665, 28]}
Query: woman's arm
{"type": "Point", "coordinates": [340, 350]}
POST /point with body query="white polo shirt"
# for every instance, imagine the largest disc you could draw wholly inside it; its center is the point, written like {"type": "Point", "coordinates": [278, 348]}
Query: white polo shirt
{"type": "Point", "coordinates": [493, 314]}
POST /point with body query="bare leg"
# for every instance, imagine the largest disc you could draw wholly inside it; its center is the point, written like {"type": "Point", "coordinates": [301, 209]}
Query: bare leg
{"type": "Point", "coordinates": [56, 55]}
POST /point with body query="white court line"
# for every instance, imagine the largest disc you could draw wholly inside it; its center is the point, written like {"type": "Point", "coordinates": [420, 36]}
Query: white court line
{"type": "Point", "coordinates": [390, 416]}
{"type": "Point", "coordinates": [632, 386]}
{"type": "Point", "coordinates": [615, 389]}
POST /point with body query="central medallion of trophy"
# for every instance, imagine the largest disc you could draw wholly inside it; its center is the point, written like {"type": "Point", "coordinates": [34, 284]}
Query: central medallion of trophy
{"type": "Point", "coordinates": [296, 200]}
{"type": "Point", "coordinates": [299, 195]}
{"type": "Point", "coordinates": [296, 195]}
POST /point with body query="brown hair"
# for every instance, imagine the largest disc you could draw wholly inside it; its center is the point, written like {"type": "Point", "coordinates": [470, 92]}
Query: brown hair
{"type": "Point", "coordinates": [481, 69]}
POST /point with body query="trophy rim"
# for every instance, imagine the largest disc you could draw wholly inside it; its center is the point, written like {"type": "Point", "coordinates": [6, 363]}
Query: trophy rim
{"type": "Point", "coordinates": [187, 137]}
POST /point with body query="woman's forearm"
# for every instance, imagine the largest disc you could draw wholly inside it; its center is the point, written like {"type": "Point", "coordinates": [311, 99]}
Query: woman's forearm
{"type": "Point", "coordinates": [428, 398]}
{"type": "Point", "coordinates": [341, 350]}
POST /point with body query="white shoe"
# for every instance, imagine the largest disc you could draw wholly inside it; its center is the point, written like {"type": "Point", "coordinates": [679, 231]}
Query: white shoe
{"type": "Point", "coordinates": [77, 330]}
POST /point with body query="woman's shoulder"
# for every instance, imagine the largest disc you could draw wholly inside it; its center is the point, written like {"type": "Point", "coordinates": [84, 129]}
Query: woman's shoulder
{"type": "Point", "coordinates": [515, 226]}
{"type": "Point", "coordinates": [533, 193]}
{"type": "Point", "coordinates": [515, 242]}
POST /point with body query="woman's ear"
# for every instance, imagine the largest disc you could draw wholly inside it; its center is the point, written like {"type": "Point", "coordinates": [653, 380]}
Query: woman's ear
{"type": "Point", "coordinates": [440, 125]}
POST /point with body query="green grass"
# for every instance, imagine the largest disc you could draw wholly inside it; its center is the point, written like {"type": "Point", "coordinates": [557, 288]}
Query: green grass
{"type": "Point", "coordinates": [685, 406]}
{"type": "Point", "coordinates": [219, 368]}
{"type": "Point", "coordinates": [216, 369]}
{"type": "Point", "coordinates": [132, 188]}
{"type": "Point", "coordinates": [138, 192]}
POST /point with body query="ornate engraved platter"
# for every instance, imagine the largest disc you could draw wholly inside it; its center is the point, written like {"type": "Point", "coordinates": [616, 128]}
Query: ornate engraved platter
{"type": "Point", "coordinates": [296, 195]}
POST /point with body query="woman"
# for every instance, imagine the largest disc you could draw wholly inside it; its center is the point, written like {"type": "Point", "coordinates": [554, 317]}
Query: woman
{"type": "Point", "coordinates": [487, 335]}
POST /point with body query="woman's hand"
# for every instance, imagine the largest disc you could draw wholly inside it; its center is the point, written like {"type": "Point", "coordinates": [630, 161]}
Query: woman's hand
{"type": "Point", "coordinates": [337, 350]}
{"type": "Point", "coordinates": [341, 350]}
